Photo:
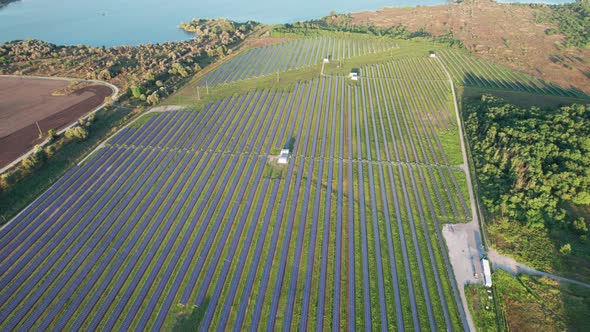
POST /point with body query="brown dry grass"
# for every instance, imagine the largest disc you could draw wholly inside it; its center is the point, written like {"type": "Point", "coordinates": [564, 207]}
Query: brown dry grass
{"type": "Point", "coordinates": [73, 87]}
{"type": "Point", "coordinates": [503, 33]}
{"type": "Point", "coordinates": [264, 40]}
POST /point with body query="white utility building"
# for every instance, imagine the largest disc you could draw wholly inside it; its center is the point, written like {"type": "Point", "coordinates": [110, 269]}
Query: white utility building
{"type": "Point", "coordinates": [284, 157]}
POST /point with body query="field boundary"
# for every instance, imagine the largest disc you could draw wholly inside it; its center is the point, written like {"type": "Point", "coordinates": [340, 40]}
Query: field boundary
{"type": "Point", "coordinates": [46, 141]}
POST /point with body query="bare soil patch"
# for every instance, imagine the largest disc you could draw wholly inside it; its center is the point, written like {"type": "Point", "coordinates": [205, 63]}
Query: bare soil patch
{"type": "Point", "coordinates": [265, 41]}
{"type": "Point", "coordinates": [506, 34]}
{"type": "Point", "coordinates": [26, 101]}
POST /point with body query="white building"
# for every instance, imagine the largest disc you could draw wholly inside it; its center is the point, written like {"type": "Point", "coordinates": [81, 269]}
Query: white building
{"type": "Point", "coordinates": [353, 76]}
{"type": "Point", "coordinates": [432, 54]}
{"type": "Point", "coordinates": [487, 272]}
{"type": "Point", "coordinates": [326, 60]}
{"type": "Point", "coordinates": [284, 157]}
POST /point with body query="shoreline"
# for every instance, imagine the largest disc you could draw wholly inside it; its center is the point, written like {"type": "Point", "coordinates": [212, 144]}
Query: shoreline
{"type": "Point", "coordinates": [99, 29]}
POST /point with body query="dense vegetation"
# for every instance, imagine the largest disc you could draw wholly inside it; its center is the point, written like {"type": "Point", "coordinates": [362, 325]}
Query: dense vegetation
{"type": "Point", "coordinates": [224, 30]}
{"type": "Point", "coordinates": [572, 20]}
{"type": "Point", "coordinates": [531, 162]}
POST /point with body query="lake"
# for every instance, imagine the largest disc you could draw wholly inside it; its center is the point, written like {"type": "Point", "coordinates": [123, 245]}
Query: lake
{"type": "Point", "coordinates": [132, 22]}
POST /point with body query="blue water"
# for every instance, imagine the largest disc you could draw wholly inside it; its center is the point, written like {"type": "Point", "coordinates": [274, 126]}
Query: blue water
{"type": "Point", "coordinates": [132, 22]}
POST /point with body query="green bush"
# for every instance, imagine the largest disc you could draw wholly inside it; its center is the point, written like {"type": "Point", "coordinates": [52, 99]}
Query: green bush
{"type": "Point", "coordinates": [78, 132]}
{"type": "Point", "coordinates": [50, 150]}
{"type": "Point", "coordinates": [52, 133]}
{"type": "Point", "coordinates": [580, 226]}
{"type": "Point", "coordinates": [35, 159]}
{"type": "Point", "coordinates": [137, 91]}
{"type": "Point", "coordinates": [566, 249]}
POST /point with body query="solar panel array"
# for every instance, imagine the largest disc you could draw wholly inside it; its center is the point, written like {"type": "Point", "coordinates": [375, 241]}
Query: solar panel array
{"type": "Point", "coordinates": [292, 55]}
{"type": "Point", "coordinates": [188, 210]}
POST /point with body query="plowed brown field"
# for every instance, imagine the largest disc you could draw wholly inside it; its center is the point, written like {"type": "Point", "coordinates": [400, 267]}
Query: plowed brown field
{"type": "Point", "coordinates": [24, 101]}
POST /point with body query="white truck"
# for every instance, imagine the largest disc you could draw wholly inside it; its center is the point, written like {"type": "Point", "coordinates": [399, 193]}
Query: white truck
{"type": "Point", "coordinates": [487, 272]}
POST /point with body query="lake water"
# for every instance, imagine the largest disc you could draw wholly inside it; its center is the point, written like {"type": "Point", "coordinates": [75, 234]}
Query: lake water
{"type": "Point", "coordinates": [132, 22]}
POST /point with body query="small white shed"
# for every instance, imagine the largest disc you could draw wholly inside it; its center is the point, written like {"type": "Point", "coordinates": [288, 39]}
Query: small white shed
{"type": "Point", "coordinates": [487, 272]}
{"type": "Point", "coordinates": [284, 157]}
{"type": "Point", "coordinates": [353, 76]}
{"type": "Point", "coordinates": [432, 54]}
{"type": "Point", "coordinates": [326, 60]}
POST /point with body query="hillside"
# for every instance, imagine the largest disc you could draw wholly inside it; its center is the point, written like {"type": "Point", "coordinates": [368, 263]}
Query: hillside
{"type": "Point", "coordinates": [507, 34]}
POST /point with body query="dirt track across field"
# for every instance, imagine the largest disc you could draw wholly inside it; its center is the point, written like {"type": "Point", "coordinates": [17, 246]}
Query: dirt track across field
{"type": "Point", "coordinates": [24, 101]}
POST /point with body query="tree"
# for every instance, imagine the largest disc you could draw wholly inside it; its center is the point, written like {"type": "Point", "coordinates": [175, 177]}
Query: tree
{"type": "Point", "coordinates": [154, 98]}
{"type": "Point", "coordinates": [137, 91]}
{"type": "Point", "coordinates": [149, 76]}
{"type": "Point", "coordinates": [50, 150]}
{"type": "Point", "coordinates": [580, 226]}
{"type": "Point", "coordinates": [104, 75]}
{"type": "Point", "coordinates": [78, 132]}
{"type": "Point", "coordinates": [51, 134]}
{"type": "Point", "coordinates": [221, 51]}
{"type": "Point", "coordinates": [178, 69]}
{"type": "Point", "coordinates": [566, 249]}
{"type": "Point", "coordinates": [582, 198]}
{"type": "Point", "coordinates": [9, 178]}
{"type": "Point", "coordinates": [36, 158]}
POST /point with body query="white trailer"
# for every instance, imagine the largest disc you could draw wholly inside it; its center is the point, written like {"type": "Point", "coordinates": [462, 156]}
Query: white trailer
{"type": "Point", "coordinates": [487, 272]}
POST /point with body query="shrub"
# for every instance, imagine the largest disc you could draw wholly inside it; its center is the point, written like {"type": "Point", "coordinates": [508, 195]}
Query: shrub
{"type": "Point", "coordinates": [8, 179]}
{"type": "Point", "coordinates": [566, 249]}
{"type": "Point", "coordinates": [35, 159]}
{"type": "Point", "coordinates": [50, 150]}
{"type": "Point", "coordinates": [137, 91]}
{"type": "Point", "coordinates": [154, 98]}
{"type": "Point", "coordinates": [79, 132]}
{"type": "Point", "coordinates": [580, 226]}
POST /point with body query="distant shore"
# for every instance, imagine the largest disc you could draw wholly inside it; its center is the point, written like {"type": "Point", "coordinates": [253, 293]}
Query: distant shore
{"type": "Point", "coordinates": [6, 2]}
